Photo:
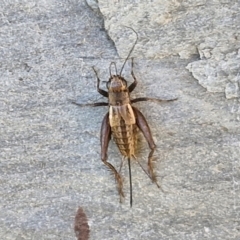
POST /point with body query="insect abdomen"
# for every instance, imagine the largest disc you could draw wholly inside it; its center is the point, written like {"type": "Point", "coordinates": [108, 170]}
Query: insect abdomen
{"type": "Point", "coordinates": [123, 135]}
{"type": "Point", "coordinates": [122, 121]}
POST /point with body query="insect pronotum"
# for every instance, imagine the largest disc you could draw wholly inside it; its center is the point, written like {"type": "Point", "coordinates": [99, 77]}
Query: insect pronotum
{"type": "Point", "coordinates": [121, 122]}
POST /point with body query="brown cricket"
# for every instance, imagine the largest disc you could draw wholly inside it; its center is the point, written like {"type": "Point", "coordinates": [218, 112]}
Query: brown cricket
{"type": "Point", "coordinates": [121, 122]}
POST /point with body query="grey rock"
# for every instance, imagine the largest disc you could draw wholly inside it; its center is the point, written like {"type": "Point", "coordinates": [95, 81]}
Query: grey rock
{"type": "Point", "coordinates": [93, 4]}
{"type": "Point", "coordinates": [169, 27]}
{"type": "Point", "coordinates": [50, 153]}
{"type": "Point", "coordinates": [209, 29]}
{"type": "Point", "coordinates": [216, 70]}
{"type": "Point", "coordinates": [232, 90]}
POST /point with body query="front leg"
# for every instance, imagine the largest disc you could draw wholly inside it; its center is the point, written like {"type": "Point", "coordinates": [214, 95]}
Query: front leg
{"type": "Point", "coordinates": [134, 84]}
{"type": "Point", "coordinates": [143, 126]}
{"type": "Point", "coordinates": [101, 91]}
{"type": "Point", "coordinates": [105, 138]}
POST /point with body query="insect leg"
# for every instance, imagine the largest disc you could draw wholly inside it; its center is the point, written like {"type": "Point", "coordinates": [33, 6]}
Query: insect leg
{"type": "Point", "coordinates": [151, 99]}
{"type": "Point", "coordinates": [143, 126]}
{"type": "Point", "coordinates": [105, 138]}
{"type": "Point", "coordinates": [134, 84]}
{"type": "Point", "coordinates": [98, 104]}
{"type": "Point", "coordinates": [120, 168]}
{"type": "Point", "coordinates": [102, 92]}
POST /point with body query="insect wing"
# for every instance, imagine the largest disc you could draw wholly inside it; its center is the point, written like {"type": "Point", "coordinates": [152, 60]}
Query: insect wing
{"type": "Point", "coordinates": [125, 112]}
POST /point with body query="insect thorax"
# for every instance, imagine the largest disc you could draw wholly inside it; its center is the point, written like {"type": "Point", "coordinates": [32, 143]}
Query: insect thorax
{"type": "Point", "coordinates": [118, 98]}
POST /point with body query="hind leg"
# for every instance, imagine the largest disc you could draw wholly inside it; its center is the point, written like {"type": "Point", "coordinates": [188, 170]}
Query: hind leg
{"type": "Point", "coordinates": [105, 138]}
{"type": "Point", "coordinates": [143, 126]}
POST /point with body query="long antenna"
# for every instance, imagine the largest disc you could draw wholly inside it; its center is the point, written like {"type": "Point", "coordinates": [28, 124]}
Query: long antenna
{"type": "Point", "coordinates": [130, 181]}
{"type": "Point", "coordinates": [130, 50]}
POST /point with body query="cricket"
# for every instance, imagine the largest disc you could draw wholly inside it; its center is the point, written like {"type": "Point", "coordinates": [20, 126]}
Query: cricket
{"type": "Point", "coordinates": [121, 122]}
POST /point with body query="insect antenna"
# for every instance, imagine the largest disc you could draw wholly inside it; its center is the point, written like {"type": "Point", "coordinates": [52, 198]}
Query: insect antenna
{"type": "Point", "coordinates": [130, 50]}
{"type": "Point", "coordinates": [130, 181]}
{"type": "Point", "coordinates": [110, 68]}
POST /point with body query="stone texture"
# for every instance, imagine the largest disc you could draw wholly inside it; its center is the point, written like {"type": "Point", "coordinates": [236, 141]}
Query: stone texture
{"type": "Point", "coordinates": [207, 29]}
{"type": "Point", "coordinates": [219, 68]}
{"type": "Point", "coordinates": [50, 153]}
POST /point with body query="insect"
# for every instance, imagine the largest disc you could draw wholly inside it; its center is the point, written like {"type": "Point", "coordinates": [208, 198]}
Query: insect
{"type": "Point", "coordinates": [121, 122]}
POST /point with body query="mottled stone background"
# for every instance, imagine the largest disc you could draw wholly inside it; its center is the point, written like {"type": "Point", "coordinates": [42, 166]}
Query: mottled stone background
{"type": "Point", "coordinates": [50, 153]}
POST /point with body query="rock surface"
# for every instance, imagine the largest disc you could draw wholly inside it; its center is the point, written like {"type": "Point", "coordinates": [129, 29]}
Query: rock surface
{"type": "Point", "coordinates": [50, 153]}
{"type": "Point", "coordinates": [207, 29]}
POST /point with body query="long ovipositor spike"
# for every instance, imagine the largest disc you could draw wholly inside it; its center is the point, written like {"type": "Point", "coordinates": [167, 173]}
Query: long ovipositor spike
{"type": "Point", "coordinates": [130, 181]}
